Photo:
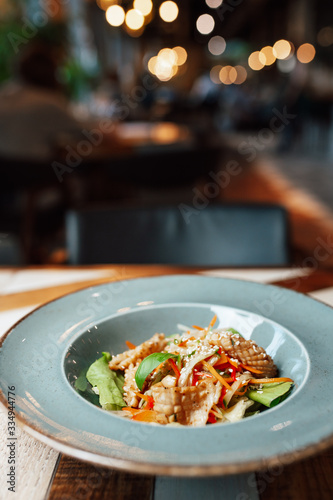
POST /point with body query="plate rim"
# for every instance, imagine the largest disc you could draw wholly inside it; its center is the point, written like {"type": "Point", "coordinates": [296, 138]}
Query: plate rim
{"type": "Point", "coordinates": [151, 468]}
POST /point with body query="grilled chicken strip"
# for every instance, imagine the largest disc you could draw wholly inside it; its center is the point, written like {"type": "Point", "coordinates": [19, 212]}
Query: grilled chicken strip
{"type": "Point", "coordinates": [122, 361]}
{"type": "Point", "coordinates": [186, 405]}
{"type": "Point", "coordinates": [246, 351]}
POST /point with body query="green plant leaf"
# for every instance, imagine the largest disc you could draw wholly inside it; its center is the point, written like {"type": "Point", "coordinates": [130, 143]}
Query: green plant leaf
{"type": "Point", "coordinates": [149, 364]}
{"type": "Point", "coordinates": [108, 382]}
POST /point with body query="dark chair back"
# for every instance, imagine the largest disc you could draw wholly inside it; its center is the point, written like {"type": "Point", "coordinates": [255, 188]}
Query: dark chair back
{"type": "Point", "coordinates": [10, 250]}
{"type": "Point", "coordinates": [218, 235]}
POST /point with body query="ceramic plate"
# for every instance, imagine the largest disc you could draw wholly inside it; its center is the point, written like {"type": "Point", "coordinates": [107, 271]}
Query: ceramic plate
{"type": "Point", "coordinates": [48, 350]}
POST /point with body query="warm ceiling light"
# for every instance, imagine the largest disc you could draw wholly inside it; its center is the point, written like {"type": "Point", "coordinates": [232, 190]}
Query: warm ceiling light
{"type": "Point", "coordinates": [105, 4]}
{"type": "Point", "coordinates": [216, 45]}
{"type": "Point", "coordinates": [257, 60]}
{"type": "Point", "coordinates": [228, 75]}
{"type": "Point", "coordinates": [181, 55]}
{"type": "Point", "coordinates": [169, 11]}
{"type": "Point", "coordinates": [164, 70]}
{"type": "Point", "coordinates": [143, 6]}
{"type": "Point", "coordinates": [214, 74]}
{"type": "Point", "coordinates": [241, 75]}
{"type": "Point", "coordinates": [152, 65]}
{"type": "Point", "coordinates": [134, 19]}
{"type": "Point", "coordinates": [168, 55]}
{"type": "Point", "coordinates": [205, 24]}
{"type": "Point", "coordinates": [268, 54]}
{"type": "Point", "coordinates": [115, 15]}
{"type": "Point", "coordinates": [214, 4]}
{"type": "Point", "coordinates": [325, 36]}
{"type": "Point", "coordinates": [306, 53]}
{"type": "Point", "coordinates": [281, 49]}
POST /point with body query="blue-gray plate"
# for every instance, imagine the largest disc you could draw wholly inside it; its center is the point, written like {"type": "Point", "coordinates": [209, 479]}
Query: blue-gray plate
{"type": "Point", "coordinates": [45, 354]}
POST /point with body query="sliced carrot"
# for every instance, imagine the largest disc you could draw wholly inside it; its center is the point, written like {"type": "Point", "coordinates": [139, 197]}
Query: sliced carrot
{"type": "Point", "coordinates": [175, 368]}
{"type": "Point", "coordinates": [223, 359]}
{"type": "Point", "coordinates": [130, 345]}
{"type": "Point", "coordinates": [239, 393]}
{"type": "Point", "coordinates": [250, 369]}
{"type": "Point", "coordinates": [148, 399]}
{"type": "Point", "coordinates": [212, 323]}
{"type": "Point", "coordinates": [183, 344]}
{"type": "Point", "coordinates": [131, 410]}
{"type": "Point", "coordinates": [232, 362]}
{"type": "Point", "coordinates": [145, 416]}
{"type": "Point", "coordinates": [269, 380]}
{"type": "Point", "coordinates": [212, 370]}
{"type": "Point", "coordinates": [216, 414]}
{"type": "Point", "coordinates": [197, 327]}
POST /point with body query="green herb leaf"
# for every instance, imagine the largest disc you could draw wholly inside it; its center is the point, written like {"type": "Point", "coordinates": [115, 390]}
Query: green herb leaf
{"type": "Point", "coordinates": [270, 394]}
{"type": "Point", "coordinates": [149, 364]}
{"type": "Point", "coordinates": [108, 382]}
{"type": "Point", "coordinates": [232, 330]}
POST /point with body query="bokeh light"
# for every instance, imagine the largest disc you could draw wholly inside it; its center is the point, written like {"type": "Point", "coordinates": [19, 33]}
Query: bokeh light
{"type": "Point", "coordinates": [268, 54]}
{"type": "Point", "coordinates": [143, 6]}
{"type": "Point", "coordinates": [241, 75]}
{"type": "Point", "coordinates": [215, 74]}
{"type": "Point", "coordinates": [282, 49]}
{"type": "Point", "coordinates": [105, 4]}
{"type": "Point", "coordinates": [115, 15]}
{"type": "Point", "coordinates": [306, 53]}
{"type": "Point", "coordinates": [152, 65]}
{"type": "Point", "coordinates": [257, 60]}
{"type": "Point", "coordinates": [205, 24]}
{"type": "Point", "coordinates": [168, 55]}
{"type": "Point", "coordinates": [228, 75]}
{"type": "Point", "coordinates": [325, 36]}
{"type": "Point", "coordinates": [287, 65]}
{"type": "Point", "coordinates": [165, 133]}
{"type": "Point", "coordinates": [181, 55]}
{"type": "Point", "coordinates": [168, 11]}
{"type": "Point", "coordinates": [165, 65]}
{"type": "Point", "coordinates": [214, 4]}
{"type": "Point", "coordinates": [134, 19]}
{"type": "Point", "coordinates": [216, 45]}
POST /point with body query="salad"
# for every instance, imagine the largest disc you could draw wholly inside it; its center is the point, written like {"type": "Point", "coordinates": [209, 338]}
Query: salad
{"type": "Point", "coordinates": [196, 377]}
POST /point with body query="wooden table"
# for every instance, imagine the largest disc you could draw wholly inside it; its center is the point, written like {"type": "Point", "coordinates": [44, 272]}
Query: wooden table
{"type": "Point", "coordinates": [43, 473]}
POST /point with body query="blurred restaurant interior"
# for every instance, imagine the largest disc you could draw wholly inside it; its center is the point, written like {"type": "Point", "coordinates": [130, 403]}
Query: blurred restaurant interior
{"type": "Point", "coordinates": [166, 114]}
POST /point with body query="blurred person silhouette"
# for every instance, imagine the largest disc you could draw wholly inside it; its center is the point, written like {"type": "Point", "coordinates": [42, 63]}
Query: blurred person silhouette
{"type": "Point", "coordinates": [34, 110]}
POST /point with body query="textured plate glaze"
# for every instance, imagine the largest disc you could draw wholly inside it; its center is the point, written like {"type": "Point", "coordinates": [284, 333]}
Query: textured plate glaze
{"type": "Point", "coordinates": [44, 354]}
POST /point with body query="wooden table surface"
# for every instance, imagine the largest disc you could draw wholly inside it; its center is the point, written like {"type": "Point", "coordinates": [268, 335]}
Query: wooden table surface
{"type": "Point", "coordinates": [50, 475]}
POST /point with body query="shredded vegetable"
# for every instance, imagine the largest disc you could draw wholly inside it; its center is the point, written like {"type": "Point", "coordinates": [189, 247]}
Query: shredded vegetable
{"type": "Point", "coordinates": [203, 375]}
